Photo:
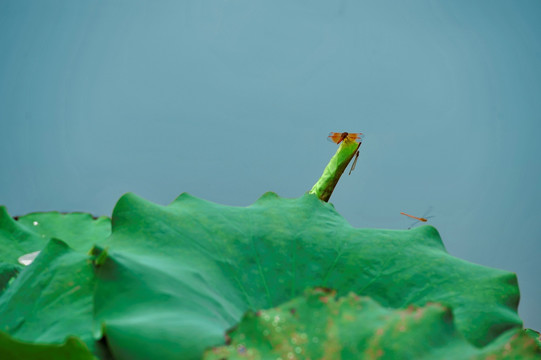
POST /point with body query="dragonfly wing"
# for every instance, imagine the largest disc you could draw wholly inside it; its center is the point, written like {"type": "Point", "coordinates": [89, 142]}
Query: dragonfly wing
{"type": "Point", "coordinates": [335, 137]}
{"type": "Point", "coordinates": [412, 225]}
{"type": "Point", "coordinates": [357, 137]}
{"type": "Point", "coordinates": [428, 211]}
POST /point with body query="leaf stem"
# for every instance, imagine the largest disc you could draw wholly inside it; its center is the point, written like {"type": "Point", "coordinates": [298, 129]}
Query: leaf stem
{"type": "Point", "coordinates": [324, 187]}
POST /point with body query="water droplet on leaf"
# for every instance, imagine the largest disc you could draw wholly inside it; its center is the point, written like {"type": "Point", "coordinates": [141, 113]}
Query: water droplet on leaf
{"type": "Point", "coordinates": [27, 259]}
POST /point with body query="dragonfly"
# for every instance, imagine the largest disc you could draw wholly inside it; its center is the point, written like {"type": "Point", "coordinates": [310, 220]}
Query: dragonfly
{"type": "Point", "coordinates": [337, 138]}
{"type": "Point", "coordinates": [423, 218]}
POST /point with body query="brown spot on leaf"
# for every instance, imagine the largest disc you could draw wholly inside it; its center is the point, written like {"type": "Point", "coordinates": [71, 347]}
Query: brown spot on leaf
{"type": "Point", "coordinates": [324, 299]}
{"type": "Point", "coordinates": [323, 289]}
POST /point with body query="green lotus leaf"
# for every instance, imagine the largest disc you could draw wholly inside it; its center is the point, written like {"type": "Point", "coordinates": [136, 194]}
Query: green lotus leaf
{"type": "Point", "coordinates": [30, 233]}
{"type": "Point", "coordinates": [170, 280]}
{"type": "Point", "coordinates": [176, 277]}
{"type": "Point", "coordinates": [50, 300]}
{"type": "Point", "coordinates": [319, 326]}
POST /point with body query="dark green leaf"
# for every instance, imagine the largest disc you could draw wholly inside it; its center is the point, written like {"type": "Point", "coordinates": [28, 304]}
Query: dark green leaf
{"type": "Point", "coordinates": [319, 326]}
{"type": "Point", "coordinates": [72, 349]}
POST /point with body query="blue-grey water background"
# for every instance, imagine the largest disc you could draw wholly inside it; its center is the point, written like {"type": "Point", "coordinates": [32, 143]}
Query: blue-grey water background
{"type": "Point", "coordinates": [229, 99]}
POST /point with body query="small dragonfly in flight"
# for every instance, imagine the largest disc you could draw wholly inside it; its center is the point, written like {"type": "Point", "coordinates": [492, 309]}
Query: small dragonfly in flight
{"type": "Point", "coordinates": [337, 138]}
{"type": "Point", "coordinates": [423, 218]}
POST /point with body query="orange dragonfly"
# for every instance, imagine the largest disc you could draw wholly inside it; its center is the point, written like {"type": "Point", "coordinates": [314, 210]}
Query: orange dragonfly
{"type": "Point", "coordinates": [424, 218]}
{"type": "Point", "coordinates": [337, 138]}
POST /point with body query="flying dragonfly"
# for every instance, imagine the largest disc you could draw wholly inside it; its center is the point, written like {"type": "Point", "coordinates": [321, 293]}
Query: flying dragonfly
{"type": "Point", "coordinates": [337, 138]}
{"type": "Point", "coordinates": [423, 218]}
